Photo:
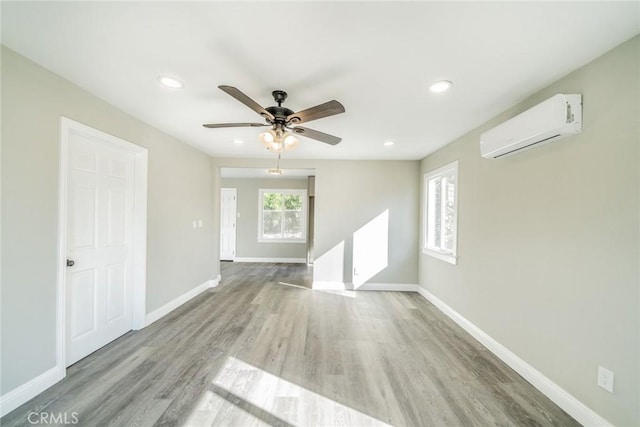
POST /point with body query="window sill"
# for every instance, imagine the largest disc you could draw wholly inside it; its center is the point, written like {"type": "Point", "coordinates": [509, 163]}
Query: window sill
{"type": "Point", "coordinates": [282, 241]}
{"type": "Point", "coordinates": [451, 259]}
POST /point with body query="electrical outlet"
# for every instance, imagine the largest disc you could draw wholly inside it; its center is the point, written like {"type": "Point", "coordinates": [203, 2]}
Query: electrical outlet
{"type": "Point", "coordinates": [605, 379]}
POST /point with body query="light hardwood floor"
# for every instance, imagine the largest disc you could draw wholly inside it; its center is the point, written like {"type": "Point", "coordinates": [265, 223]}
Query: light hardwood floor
{"type": "Point", "coordinates": [264, 349]}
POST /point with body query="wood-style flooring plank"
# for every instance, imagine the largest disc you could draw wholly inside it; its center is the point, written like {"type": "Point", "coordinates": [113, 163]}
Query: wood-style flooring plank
{"type": "Point", "coordinates": [264, 349]}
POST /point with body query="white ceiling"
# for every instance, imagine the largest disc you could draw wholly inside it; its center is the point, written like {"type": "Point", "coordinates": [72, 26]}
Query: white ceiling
{"type": "Point", "coordinates": [376, 58]}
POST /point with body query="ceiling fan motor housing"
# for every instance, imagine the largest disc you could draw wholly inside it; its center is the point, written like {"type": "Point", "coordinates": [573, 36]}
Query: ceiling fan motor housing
{"type": "Point", "coordinates": [279, 96]}
{"type": "Point", "coordinates": [279, 112]}
{"type": "Point", "coordinates": [282, 119]}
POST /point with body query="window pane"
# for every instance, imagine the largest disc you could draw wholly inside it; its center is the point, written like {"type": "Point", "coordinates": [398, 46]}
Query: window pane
{"type": "Point", "coordinates": [293, 202]}
{"type": "Point", "coordinates": [293, 225]}
{"type": "Point", "coordinates": [449, 214]}
{"type": "Point", "coordinates": [437, 210]}
{"type": "Point", "coordinates": [272, 201]}
{"type": "Point", "coordinates": [272, 225]}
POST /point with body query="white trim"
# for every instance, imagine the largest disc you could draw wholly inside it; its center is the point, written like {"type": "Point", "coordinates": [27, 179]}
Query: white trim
{"type": "Point", "coordinates": [277, 260]}
{"type": "Point", "coordinates": [578, 410]}
{"type": "Point", "coordinates": [28, 390]}
{"type": "Point", "coordinates": [346, 286]}
{"type": "Point", "coordinates": [62, 248]}
{"type": "Point", "coordinates": [451, 259]}
{"type": "Point", "coordinates": [172, 305]}
{"type": "Point", "coordinates": [139, 301]}
{"type": "Point", "coordinates": [140, 229]}
{"type": "Point", "coordinates": [450, 168]}
{"type": "Point", "coordinates": [388, 287]}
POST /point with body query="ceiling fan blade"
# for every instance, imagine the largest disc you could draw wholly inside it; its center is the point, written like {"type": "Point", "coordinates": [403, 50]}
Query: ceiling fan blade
{"type": "Point", "coordinates": [317, 135]}
{"type": "Point", "coordinates": [237, 94]}
{"type": "Point", "coordinates": [327, 109]}
{"type": "Point", "coordinates": [233, 125]}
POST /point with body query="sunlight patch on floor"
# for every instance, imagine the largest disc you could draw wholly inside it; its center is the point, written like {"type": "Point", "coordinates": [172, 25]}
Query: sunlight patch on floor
{"type": "Point", "coordinates": [292, 285]}
{"type": "Point", "coordinates": [263, 398]}
{"type": "Point", "coordinates": [341, 292]}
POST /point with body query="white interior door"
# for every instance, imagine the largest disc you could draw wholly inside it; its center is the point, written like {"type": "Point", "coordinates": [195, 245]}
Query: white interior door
{"type": "Point", "coordinates": [227, 224]}
{"type": "Point", "coordinates": [98, 287]}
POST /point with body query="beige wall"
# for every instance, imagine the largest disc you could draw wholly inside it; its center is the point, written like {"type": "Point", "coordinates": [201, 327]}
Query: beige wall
{"type": "Point", "coordinates": [349, 194]}
{"type": "Point", "coordinates": [179, 191]}
{"type": "Point", "coordinates": [247, 206]}
{"type": "Point", "coordinates": [548, 240]}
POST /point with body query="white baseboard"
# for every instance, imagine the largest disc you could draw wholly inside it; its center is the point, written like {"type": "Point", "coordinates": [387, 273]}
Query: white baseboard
{"type": "Point", "coordinates": [277, 260]}
{"type": "Point", "coordinates": [346, 286]}
{"type": "Point", "coordinates": [172, 305]}
{"type": "Point", "coordinates": [392, 287]}
{"type": "Point", "coordinates": [578, 410]}
{"type": "Point", "coordinates": [28, 390]}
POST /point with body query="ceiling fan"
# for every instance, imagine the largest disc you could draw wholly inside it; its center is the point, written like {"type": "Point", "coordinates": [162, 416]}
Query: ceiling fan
{"type": "Point", "coordinates": [283, 121]}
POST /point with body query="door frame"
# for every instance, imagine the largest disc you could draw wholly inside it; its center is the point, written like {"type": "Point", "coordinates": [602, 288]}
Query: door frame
{"type": "Point", "coordinates": [139, 229]}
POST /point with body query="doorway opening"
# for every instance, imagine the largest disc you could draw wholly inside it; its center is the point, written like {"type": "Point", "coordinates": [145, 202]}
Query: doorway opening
{"type": "Point", "coordinates": [274, 215]}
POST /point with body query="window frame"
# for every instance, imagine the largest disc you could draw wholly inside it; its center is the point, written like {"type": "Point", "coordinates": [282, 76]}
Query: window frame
{"type": "Point", "coordinates": [285, 191]}
{"type": "Point", "coordinates": [446, 170]}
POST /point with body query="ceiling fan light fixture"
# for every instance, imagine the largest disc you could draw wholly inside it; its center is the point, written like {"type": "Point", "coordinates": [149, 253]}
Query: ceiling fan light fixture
{"type": "Point", "coordinates": [276, 147]}
{"type": "Point", "coordinates": [290, 141]}
{"type": "Point", "coordinates": [440, 86]}
{"type": "Point", "coordinates": [278, 141]}
{"type": "Point", "coordinates": [267, 138]}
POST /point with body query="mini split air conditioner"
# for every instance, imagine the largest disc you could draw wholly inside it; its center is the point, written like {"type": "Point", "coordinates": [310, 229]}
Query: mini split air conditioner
{"type": "Point", "coordinates": [551, 120]}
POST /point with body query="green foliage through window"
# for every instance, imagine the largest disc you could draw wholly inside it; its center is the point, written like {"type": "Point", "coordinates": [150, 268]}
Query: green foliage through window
{"type": "Point", "coordinates": [272, 201]}
{"type": "Point", "coordinates": [283, 215]}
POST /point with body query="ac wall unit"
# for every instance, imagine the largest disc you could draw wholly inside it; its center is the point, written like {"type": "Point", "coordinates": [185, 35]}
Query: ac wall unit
{"type": "Point", "coordinates": [551, 120]}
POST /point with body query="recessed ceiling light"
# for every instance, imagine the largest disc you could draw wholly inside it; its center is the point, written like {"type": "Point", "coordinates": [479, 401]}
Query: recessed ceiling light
{"type": "Point", "coordinates": [441, 86]}
{"type": "Point", "coordinates": [388, 143]}
{"type": "Point", "coordinates": [170, 82]}
{"type": "Point", "coordinates": [238, 141]}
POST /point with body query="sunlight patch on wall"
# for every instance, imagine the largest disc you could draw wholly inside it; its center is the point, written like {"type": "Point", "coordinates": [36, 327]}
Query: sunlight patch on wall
{"type": "Point", "coordinates": [328, 268]}
{"type": "Point", "coordinates": [371, 249]}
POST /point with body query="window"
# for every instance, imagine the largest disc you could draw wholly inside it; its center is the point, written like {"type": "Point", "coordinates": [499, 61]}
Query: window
{"type": "Point", "coordinates": [283, 216]}
{"type": "Point", "coordinates": [441, 213]}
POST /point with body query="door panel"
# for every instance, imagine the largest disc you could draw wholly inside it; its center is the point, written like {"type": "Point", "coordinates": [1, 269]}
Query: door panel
{"type": "Point", "coordinates": [228, 224]}
{"type": "Point", "coordinates": [116, 291]}
{"type": "Point", "coordinates": [116, 221]}
{"type": "Point", "coordinates": [83, 216]}
{"type": "Point", "coordinates": [99, 288]}
{"type": "Point", "coordinates": [83, 295]}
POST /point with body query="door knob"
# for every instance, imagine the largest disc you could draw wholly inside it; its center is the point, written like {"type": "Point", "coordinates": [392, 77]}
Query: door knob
{"type": "Point", "coordinates": [70, 263]}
